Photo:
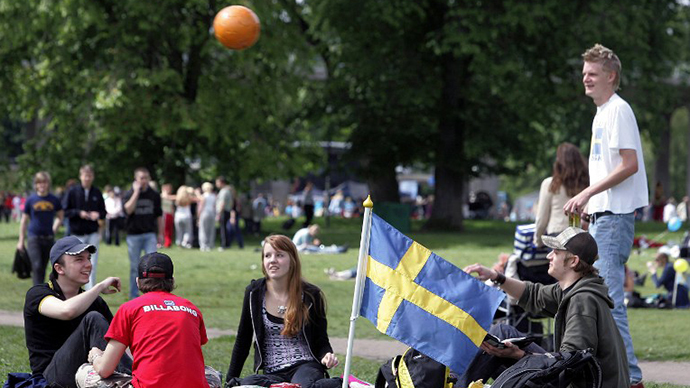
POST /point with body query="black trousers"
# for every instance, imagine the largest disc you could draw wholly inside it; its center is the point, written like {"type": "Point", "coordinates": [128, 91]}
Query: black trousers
{"type": "Point", "coordinates": [38, 248]}
{"type": "Point", "coordinates": [308, 375]}
{"type": "Point", "coordinates": [75, 351]}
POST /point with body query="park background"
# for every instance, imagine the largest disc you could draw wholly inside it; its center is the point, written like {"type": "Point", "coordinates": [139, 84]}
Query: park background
{"type": "Point", "coordinates": [333, 88]}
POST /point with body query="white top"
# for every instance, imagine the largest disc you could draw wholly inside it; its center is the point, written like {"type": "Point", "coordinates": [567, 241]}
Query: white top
{"type": "Point", "coordinates": [614, 128]}
{"type": "Point", "coordinates": [550, 215]}
{"type": "Point", "coordinates": [113, 207]}
{"type": "Point", "coordinates": [209, 204]}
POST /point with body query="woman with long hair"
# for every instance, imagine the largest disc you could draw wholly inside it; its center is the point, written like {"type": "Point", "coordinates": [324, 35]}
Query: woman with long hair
{"type": "Point", "coordinates": [570, 176]}
{"type": "Point", "coordinates": [183, 218]}
{"type": "Point", "coordinates": [287, 317]}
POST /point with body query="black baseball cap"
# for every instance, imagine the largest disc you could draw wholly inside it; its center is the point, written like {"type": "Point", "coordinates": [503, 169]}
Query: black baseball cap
{"type": "Point", "coordinates": [575, 241]}
{"type": "Point", "coordinates": [69, 245]}
{"type": "Point", "coordinates": [155, 265]}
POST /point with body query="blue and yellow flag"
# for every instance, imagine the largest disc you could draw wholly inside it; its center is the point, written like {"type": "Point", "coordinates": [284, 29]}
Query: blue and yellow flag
{"type": "Point", "coordinates": [423, 301]}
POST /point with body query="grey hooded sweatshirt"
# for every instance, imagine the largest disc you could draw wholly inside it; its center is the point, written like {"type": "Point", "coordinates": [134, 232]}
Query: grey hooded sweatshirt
{"type": "Point", "coordinates": [582, 320]}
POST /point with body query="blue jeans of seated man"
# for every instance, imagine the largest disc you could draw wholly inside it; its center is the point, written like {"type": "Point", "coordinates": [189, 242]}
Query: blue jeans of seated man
{"type": "Point", "coordinates": [614, 234]}
{"type": "Point", "coordinates": [135, 244]}
{"type": "Point", "coordinates": [484, 366]}
{"type": "Point", "coordinates": [93, 239]}
{"type": "Point", "coordinates": [74, 352]}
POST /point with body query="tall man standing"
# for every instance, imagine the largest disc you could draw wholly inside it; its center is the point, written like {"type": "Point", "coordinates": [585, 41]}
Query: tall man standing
{"type": "Point", "coordinates": [618, 183]}
{"type": "Point", "coordinates": [224, 210]}
{"type": "Point", "coordinates": [144, 222]}
{"type": "Point", "coordinates": [85, 207]}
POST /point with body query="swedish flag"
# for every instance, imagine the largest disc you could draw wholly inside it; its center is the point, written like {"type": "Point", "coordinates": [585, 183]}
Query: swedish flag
{"type": "Point", "coordinates": [418, 298]}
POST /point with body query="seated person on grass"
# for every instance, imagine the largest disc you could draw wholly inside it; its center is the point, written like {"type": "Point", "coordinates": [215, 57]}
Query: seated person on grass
{"type": "Point", "coordinates": [306, 241]}
{"type": "Point", "coordinates": [668, 280]}
{"type": "Point", "coordinates": [164, 332]}
{"type": "Point", "coordinates": [63, 322]}
{"type": "Point", "coordinates": [579, 302]}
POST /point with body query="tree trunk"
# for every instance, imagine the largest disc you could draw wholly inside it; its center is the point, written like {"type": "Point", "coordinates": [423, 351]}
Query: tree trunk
{"type": "Point", "coordinates": [383, 187]}
{"type": "Point", "coordinates": [663, 159]}
{"type": "Point", "coordinates": [687, 160]}
{"type": "Point", "coordinates": [450, 164]}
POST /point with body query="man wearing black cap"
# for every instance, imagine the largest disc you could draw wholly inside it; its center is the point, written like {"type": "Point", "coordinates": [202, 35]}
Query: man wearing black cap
{"type": "Point", "coordinates": [579, 302]}
{"type": "Point", "coordinates": [62, 321]}
{"type": "Point", "coordinates": [164, 332]}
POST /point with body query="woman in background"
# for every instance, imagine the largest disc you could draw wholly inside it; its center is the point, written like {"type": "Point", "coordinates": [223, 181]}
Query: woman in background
{"type": "Point", "coordinates": [183, 218]}
{"type": "Point", "coordinates": [207, 217]}
{"type": "Point", "coordinates": [570, 176]}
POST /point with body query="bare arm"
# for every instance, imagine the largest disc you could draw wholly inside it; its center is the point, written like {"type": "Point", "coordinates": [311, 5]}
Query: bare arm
{"type": "Point", "coordinates": [105, 362]}
{"type": "Point", "coordinates": [71, 308]}
{"type": "Point", "coordinates": [512, 287]}
{"type": "Point", "coordinates": [131, 204]}
{"type": "Point", "coordinates": [60, 216]}
{"type": "Point", "coordinates": [23, 224]}
{"type": "Point", "coordinates": [623, 171]}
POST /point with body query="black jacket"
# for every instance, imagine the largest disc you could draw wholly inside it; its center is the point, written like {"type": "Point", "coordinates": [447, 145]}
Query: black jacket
{"type": "Point", "coordinates": [74, 202]}
{"type": "Point", "coordinates": [251, 326]}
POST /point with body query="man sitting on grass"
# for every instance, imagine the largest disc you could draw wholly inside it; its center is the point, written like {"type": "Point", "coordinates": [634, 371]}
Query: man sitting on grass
{"type": "Point", "coordinates": [163, 331]}
{"type": "Point", "coordinates": [579, 302]}
{"type": "Point", "coordinates": [306, 241]}
{"type": "Point", "coordinates": [63, 322]}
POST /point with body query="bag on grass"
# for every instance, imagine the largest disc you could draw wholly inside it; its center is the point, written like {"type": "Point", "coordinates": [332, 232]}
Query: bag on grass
{"type": "Point", "coordinates": [552, 370]}
{"type": "Point", "coordinates": [412, 370]}
{"type": "Point", "coordinates": [21, 265]}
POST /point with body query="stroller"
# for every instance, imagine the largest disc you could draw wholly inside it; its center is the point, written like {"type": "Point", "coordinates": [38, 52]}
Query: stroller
{"type": "Point", "coordinates": [527, 262]}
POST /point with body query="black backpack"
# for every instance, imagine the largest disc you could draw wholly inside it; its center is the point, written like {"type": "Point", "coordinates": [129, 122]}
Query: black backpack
{"type": "Point", "coordinates": [552, 370]}
{"type": "Point", "coordinates": [413, 370]}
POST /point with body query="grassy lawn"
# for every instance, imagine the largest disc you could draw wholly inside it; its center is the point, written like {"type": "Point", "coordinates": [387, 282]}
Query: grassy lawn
{"type": "Point", "coordinates": [215, 282]}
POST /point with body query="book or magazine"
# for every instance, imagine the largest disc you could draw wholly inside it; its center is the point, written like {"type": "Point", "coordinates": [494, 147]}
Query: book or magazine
{"type": "Point", "coordinates": [520, 342]}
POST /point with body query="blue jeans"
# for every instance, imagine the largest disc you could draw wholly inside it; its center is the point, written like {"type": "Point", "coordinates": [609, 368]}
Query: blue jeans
{"type": "Point", "coordinates": [135, 244]}
{"type": "Point", "coordinates": [93, 239]}
{"type": "Point", "coordinates": [614, 235]}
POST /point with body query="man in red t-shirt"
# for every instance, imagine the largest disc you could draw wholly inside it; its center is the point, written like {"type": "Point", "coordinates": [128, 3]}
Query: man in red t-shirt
{"type": "Point", "coordinates": [163, 331]}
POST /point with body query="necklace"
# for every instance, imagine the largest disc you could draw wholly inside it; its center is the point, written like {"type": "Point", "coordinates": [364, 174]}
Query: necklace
{"type": "Point", "coordinates": [282, 310]}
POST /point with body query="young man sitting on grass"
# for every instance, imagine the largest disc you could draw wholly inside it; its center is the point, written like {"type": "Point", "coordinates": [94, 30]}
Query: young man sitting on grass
{"type": "Point", "coordinates": [579, 302]}
{"type": "Point", "coordinates": [164, 332]}
{"type": "Point", "coordinates": [63, 322]}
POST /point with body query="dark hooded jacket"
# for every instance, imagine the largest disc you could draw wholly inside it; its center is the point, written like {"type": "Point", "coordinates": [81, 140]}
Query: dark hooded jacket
{"type": "Point", "coordinates": [582, 320]}
{"type": "Point", "coordinates": [251, 326]}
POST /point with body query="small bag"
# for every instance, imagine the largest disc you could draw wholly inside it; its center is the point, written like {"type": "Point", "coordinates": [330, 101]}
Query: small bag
{"type": "Point", "coordinates": [552, 370]}
{"type": "Point", "coordinates": [413, 370]}
{"type": "Point", "coordinates": [21, 265]}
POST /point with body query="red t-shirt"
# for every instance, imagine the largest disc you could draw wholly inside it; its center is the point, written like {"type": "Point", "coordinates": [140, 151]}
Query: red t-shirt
{"type": "Point", "coordinates": [165, 334]}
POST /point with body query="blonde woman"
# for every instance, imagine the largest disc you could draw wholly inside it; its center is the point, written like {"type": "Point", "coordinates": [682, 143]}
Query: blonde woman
{"type": "Point", "coordinates": [206, 211]}
{"type": "Point", "coordinates": [183, 218]}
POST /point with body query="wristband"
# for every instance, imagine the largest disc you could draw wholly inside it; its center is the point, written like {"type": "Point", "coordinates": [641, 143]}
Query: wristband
{"type": "Point", "coordinates": [500, 279]}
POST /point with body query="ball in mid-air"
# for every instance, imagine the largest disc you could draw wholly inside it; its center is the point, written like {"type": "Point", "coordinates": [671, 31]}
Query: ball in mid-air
{"type": "Point", "coordinates": [236, 27]}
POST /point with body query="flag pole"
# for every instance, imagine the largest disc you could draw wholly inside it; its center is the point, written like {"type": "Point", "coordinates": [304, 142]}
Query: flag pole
{"type": "Point", "coordinates": [359, 285]}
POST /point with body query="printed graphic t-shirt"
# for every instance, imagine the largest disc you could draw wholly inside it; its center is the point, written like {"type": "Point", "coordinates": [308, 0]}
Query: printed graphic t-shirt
{"type": "Point", "coordinates": [41, 211]}
{"type": "Point", "coordinates": [165, 333]}
{"type": "Point", "coordinates": [614, 128]}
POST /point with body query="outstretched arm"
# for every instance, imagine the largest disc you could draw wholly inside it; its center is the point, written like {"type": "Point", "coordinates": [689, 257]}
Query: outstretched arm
{"type": "Point", "coordinates": [512, 287]}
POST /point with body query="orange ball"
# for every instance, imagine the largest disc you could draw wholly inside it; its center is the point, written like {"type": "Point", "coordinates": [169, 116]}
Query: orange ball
{"type": "Point", "coordinates": [236, 27]}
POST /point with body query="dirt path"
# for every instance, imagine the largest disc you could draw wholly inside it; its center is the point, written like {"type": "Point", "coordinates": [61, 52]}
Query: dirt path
{"type": "Point", "coordinates": [380, 350]}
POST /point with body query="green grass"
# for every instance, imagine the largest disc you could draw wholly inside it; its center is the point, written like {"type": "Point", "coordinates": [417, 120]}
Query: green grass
{"type": "Point", "coordinates": [215, 282]}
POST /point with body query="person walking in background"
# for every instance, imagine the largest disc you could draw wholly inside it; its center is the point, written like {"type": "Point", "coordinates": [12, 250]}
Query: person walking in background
{"type": "Point", "coordinates": [85, 209]}
{"type": "Point", "coordinates": [224, 203]}
{"type": "Point", "coordinates": [183, 218]}
{"type": "Point", "coordinates": [618, 183]}
{"type": "Point", "coordinates": [42, 217]}
{"type": "Point", "coordinates": [114, 215]}
{"type": "Point", "coordinates": [144, 223]}
{"type": "Point", "coordinates": [207, 218]}
{"type": "Point", "coordinates": [308, 203]}
{"type": "Point", "coordinates": [246, 213]}
{"type": "Point", "coordinates": [258, 212]}
{"type": "Point", "coordinates": [233, 225]}
{"type": "Point", "coordinates": [168, 206]}
{"type": "Point", "coordinates": [569, 176]}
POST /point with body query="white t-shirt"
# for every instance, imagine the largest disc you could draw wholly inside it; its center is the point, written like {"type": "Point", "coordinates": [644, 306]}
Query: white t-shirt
{"type": "Point", "coordinates": [614, 128]}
